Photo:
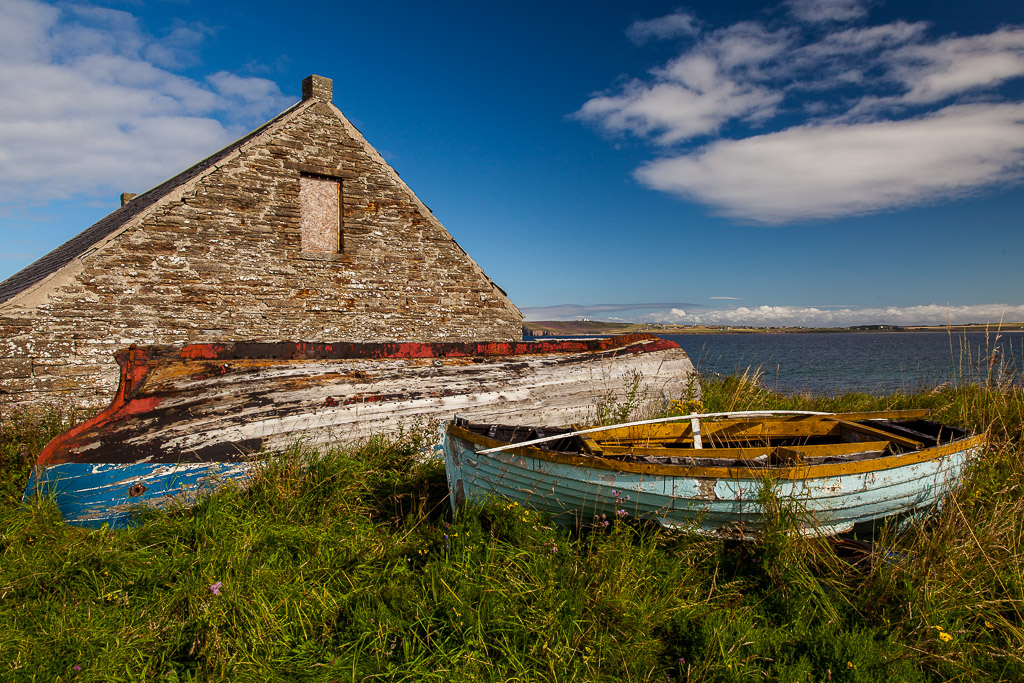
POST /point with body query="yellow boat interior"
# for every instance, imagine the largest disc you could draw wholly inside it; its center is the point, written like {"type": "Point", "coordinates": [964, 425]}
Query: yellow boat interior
{"type": "Point", "coordinates": [750, 442]}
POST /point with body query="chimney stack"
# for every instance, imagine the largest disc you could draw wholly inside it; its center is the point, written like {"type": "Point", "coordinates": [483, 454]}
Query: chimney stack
{"type": "Point", "coordinates": [127, 197]}
{"type": "Point", "coordinates": [317, 87]}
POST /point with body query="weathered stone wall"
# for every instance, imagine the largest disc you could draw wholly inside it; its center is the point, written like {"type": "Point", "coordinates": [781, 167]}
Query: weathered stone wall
{"type": "Point", "coordinates": [222, 261]}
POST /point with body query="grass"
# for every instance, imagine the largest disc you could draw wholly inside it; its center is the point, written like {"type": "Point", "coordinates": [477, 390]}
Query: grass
{"type": "Point", "coordinates": [355, 569]}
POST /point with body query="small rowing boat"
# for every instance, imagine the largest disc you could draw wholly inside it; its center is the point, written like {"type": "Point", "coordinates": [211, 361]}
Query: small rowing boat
{"type": "Point", "coordinates": [188, 419]}
{"type": "Point", "coordinates": [714, 473]}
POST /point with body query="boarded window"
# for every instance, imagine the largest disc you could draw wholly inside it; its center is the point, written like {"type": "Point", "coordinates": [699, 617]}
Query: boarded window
{"type": "Point", "coordinates": [320, 199]}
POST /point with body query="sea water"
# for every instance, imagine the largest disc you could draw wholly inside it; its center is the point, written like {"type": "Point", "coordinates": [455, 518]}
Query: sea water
{"type": "Point", "coordinates": [874, 362]}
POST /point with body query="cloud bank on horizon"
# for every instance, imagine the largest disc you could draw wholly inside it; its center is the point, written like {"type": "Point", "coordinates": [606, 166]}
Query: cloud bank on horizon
{"type": "Point", "coordinates": [783, 316]}
{"type": "Point", "coordinates": [888, 116]}
{"type": "Point", "coordinates": [90, 102]}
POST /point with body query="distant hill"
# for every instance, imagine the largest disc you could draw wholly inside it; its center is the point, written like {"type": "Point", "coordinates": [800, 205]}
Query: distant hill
{"type": "Point", "coordinates": [554, 328]}
{"type": "Point", "coordinates": [558, 328]}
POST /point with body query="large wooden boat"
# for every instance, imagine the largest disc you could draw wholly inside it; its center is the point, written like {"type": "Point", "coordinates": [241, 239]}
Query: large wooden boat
{"type": "Point", "coordinates": [716, 473]}
{"type": "Point", "coordinates": [187, 419]}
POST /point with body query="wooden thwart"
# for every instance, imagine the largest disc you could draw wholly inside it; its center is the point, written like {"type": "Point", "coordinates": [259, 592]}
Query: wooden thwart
{"type": "Point", "coordinates": [746, 452]}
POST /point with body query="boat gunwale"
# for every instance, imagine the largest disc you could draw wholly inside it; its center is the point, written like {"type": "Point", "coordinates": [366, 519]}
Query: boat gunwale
{"type": "Point", "coordinates": [396, 350]}
{"type": "Point", "coordinates": [794, 471]}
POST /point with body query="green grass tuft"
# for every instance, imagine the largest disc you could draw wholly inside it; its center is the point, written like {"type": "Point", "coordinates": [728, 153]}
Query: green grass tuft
{"type": "Point", "coordinates": [348, 565]}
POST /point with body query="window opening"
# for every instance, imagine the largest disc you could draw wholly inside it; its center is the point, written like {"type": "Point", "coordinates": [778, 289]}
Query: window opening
{"type": "Point", "coordinates": [320, 202]}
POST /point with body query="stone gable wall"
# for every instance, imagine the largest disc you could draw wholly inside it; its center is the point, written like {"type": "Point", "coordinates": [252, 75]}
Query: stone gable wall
{"type": "Point", "coordinates": [224, 262]}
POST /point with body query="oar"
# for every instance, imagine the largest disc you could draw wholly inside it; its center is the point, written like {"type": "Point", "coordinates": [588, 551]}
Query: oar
{"type": "Point", "coordinates": [691, 416]}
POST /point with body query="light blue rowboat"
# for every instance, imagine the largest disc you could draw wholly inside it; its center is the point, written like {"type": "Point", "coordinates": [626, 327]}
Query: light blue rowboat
{"type": "Point", "coordinates": [712, 473]}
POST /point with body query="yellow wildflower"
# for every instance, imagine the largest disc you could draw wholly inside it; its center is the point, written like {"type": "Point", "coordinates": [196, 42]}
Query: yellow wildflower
{"type": "Point", "coordinates": [945, 636]}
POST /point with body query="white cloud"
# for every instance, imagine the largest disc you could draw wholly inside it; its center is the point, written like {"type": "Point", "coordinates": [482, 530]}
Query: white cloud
{"type": "Point", "coordinates": [824, 11]}
{"type": "Point", "coordinates": [178, 48]}
{"type": "Point", "coordinates": [676, 112]}
{"type": "Point", "coordinates": [825, 123]}
{"type": "Point", "coordinates": [669, 26]}
{"type": "Point", "coordinates": [697, 92]}
{"type": "Point", "coordinates": [828, 170]}
{"type": "Point", "coordinates": [574, 311]}
{"type": "Point", "coordinates": [89, 104]}
{"type": "Point", "coordinates": [933, 72]}
{"type": "Point", "coordinates": [783, 316]}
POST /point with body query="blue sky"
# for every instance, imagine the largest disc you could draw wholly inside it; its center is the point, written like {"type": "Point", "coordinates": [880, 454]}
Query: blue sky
{"type": "Point", "coordinates": [819, 163]}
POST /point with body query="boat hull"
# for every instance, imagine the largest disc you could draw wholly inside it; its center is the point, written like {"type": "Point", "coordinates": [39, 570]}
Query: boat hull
{"type": "Point", "coordinates": [90, 494]}
{"type": "Point", "coordinates": [729, 501]}
{"type": "Point", "coordinates": [187, 419]}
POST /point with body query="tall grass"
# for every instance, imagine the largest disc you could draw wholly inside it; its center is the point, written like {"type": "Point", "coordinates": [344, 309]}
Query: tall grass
{"type": "Point", "coordinates": [350, 566]}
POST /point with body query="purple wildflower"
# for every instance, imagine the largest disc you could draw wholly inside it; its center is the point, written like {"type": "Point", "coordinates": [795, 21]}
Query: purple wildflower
{"type": "Point", "coordinates": [620, 513]}
{"type": "Point", "coordinates": [215, 588]}
{"type": "Point", "coordinates": [77, 667]}
{"type": "Point", "coordinates": [615, 494]}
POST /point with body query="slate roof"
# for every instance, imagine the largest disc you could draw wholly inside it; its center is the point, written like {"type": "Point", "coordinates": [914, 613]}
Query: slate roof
{"type": "Point", "coordinates": [109, 224]}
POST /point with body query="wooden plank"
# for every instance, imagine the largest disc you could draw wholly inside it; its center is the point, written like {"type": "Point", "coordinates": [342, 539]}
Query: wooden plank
{"type": "Point", "coordinates": [749, 429]}
{"type": "Point", "coordinates": [721, 431]}
{"type": "Point", "coordinates": [868, 430]}
{"type": "Point", "coordinates": [750, 452]}
{"type": "Point", "coordinates": [590, 446]}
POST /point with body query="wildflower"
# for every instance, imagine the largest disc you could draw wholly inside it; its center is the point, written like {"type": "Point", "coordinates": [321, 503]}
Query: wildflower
{"type": "Point", "coordinates": [945, 636]}
{"type": "Point", "coordinates": [615, 494]}
{"type": "Point", "coordinates": [606, 523]}
{"type": "Point", "coordinates": [77, 667]}
{"type": "Point", "coordinates": [215, 588]}
{"type": "Point", "coordinates": [851, 665]}
{"type": "Point", "coordinates": [989, 624]}
{"type": "Point", "coordinates": [682, 661]}
{"type": "Point", "coordinates": [621, 514]}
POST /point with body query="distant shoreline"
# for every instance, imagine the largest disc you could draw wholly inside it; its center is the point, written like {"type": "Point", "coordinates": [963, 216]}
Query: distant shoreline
{"type": "Point", "coordinates": [551, 328]}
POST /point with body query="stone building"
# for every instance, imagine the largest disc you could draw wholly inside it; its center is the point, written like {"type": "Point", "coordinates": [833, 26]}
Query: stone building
{"type": "Point", "coordinates": [298, 231]}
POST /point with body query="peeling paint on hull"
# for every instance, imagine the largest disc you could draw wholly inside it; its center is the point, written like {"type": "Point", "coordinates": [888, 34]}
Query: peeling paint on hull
{"type": "Point", "coordinates": [683, 497]}
{"type": "Point", "coordinates": [96, 494]}
{"type": "Point", "coordinates": [186, 418]}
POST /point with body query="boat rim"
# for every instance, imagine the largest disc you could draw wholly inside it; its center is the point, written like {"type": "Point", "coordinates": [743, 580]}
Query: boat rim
{"type": "Point", "coordinates": [794, 471]}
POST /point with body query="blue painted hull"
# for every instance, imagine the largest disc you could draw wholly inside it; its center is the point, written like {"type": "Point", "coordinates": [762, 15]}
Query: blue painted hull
{"type": "Point", "coordinates": [683, 497]}
{"type": "Point", "coordinates": [92, 494]}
